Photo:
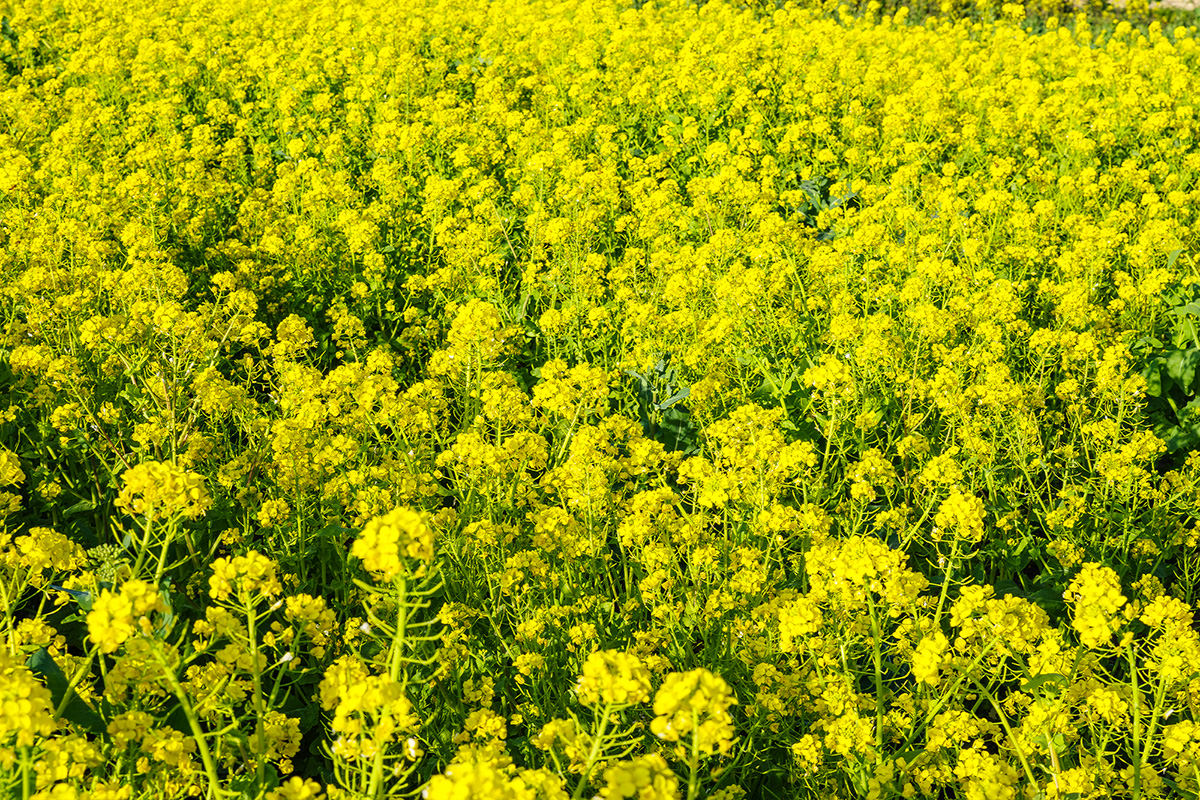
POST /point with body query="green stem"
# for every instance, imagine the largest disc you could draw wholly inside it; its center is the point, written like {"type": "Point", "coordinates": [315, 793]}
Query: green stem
{"type": "Point", "coordinates": [396, 670]}
{"type": "Point", "coordinates": [210, 768]}
{"type": "Point", "coordinates": [144, 547]}
{"type": "Point", "coordinates": [1160, 696]}
{"type": "Point", "coordinates": [877, 648]}
{"type": "Point", "coordinates": [1011, 736]}
{"type": "Point", "coordinates": [1136, 751]}
{"type": "Point", "coordinates": [594, 753]}
{"type": "Point", "coordinates": [26, 773]}
{"type": "Point", "coordinates": [937, 615]}
{"type": "Point", "coordinates": [399, 640]}
{"type": "Point", "coordinates": [694, 766]}
{"type": "Point", "coordinates": [162, 555]}
{"type": "Point", "coordinates": [260, 732]}
{"type": "Point", "coordinates": [10, 608]}
{"type": "Point", "coordinates": [947, 696]}
{"type": "Point", "coordinates": [83, 669]}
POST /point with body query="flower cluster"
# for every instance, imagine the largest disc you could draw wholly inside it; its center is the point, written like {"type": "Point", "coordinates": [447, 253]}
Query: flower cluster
{"type": "Point", "coordinates": [591, 398]}
{"type": "Point", "coordinates": [693, 707]}
{"type": "Point", "coordinates": [613, 678]}
{"type": "Point", "coordinates": [391, 544]}
{"type": "Point", "coordinates": [28, 713]}
{"type": "Point", "coordinates": [117, 616]}
{"type": "Point", "coordinates": [1095, 595]}
{"type": "Point", "coordinates": [158, 489]}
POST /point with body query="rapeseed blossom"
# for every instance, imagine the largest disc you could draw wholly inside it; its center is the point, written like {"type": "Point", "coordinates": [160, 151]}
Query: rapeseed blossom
{"type": "Point", "coordinates": [389, 540]}
{"type": "Point", "coordinates": [695, 704]}
{"type": "Point", "coordinates": [534, 399]}
{"type": "Point", "coordinates": [162, 490]}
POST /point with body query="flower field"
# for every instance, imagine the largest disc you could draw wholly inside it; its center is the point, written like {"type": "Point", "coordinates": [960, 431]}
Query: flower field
{"type": "Point", "coordinates": [591, 399]}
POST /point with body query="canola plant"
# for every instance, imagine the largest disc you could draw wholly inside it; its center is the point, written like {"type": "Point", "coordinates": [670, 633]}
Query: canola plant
{"type": "Point", "coordinates": [590, 398]}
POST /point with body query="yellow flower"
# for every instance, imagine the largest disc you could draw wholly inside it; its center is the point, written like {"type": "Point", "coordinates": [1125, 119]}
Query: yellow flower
{"type": "Point", "coordinates": [115, 617]}
{"type": "Point", "coordinates": [984, 775]}
{"type": "Point", "coordinates": [273, 512]}
{"type": "Point", "coordinates": [170, 747]}
{"type": "Point", "coordinates": [1167, 614]}
{"type": "Point", "coordinates": [110, 790]}
{"type": "Point", "coordinates": [293, 338]}
{"type": "Point", "coordinates": [158, 490]}
{"type": "Point", "coordinates": [644, 778]}
{"type": "Point", "coordinates": [282, 735]}
{"type": "Point", "coordinates": [471, 781]}
{"type": "Point", "coordinates": [571, 393]}
{"type": "Point", "coordinates": [1095, 594]}
{"type": "Point", "coordinates": [369, 711]}
{"type": "Point", "coordinates": [695, 703]}
{"type": "Point", "coordinates": [44, 548]}
{"type": "Point", "coordinates": [960, 515]}
{"type": "Point", "coordinates": [852, 569]}
{"type": "Point", "coordinates": [11, 473]}
{"type": "Point", "coordinates": [613, 677]}
{"type": "Point", "coordinates": [928, 658]}
{"type": "Point", "coordinates": [575, 743]}
{"type": "Point", "coordinates": [295, 788]}
{"type": "Point", "coordinates": [130, 727]}
{"type": "Point", "coordinates": [253, 574]}
{"type": "Point", "coordinates": [477, 339]}
{"type": "Point", "coordinates": [26, 712]}
{"type": "Point", "coordinates": [1180, 738]}
{"type": "Point", "coordinates": [388, 543]}
{"type": "Point", "coordinates": [798, 619]}
{"type": "Point", "coordinates": [809, 753]}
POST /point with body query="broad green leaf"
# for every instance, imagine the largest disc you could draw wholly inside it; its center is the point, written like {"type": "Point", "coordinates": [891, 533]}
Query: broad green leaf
{"type": "Point", "coordinates": [1181, 367]}
{"type": "Point", "coordinates": [77, 711]}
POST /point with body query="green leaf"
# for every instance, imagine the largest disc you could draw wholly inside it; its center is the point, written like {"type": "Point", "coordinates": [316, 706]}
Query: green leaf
{"type": "Point", "coordinates": [1181, 367]}
{"type": "Point", "coordinates": [84, 599]}
{"type": "Point", "coordinates": [1186, 434]}
{"type": "Point", "coordinates": [247, 785]}
{"type": "Point", "coordinates": [1191, 308]}
{"type": "Point", "coordinates": [178, 720]}
{"type": "Point", "coordinates": [81, 506]}
{"type": "Point", "coordinates": [682, 394]}
{"type": "Point", "coordinates": [1154, 381]}
{"type": "Point", "coordinates": [7, 31]}
{"type": "Point", "coordinates": [77, 711]}
{"type": "Point", "coordinates": [908, 756]}
{"type": "Point", "coordinates": [1037, 681]}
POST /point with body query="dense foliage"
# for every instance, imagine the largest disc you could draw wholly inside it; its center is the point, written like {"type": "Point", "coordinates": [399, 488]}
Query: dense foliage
{"type": "Point", "coordinates": [531, 399]}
